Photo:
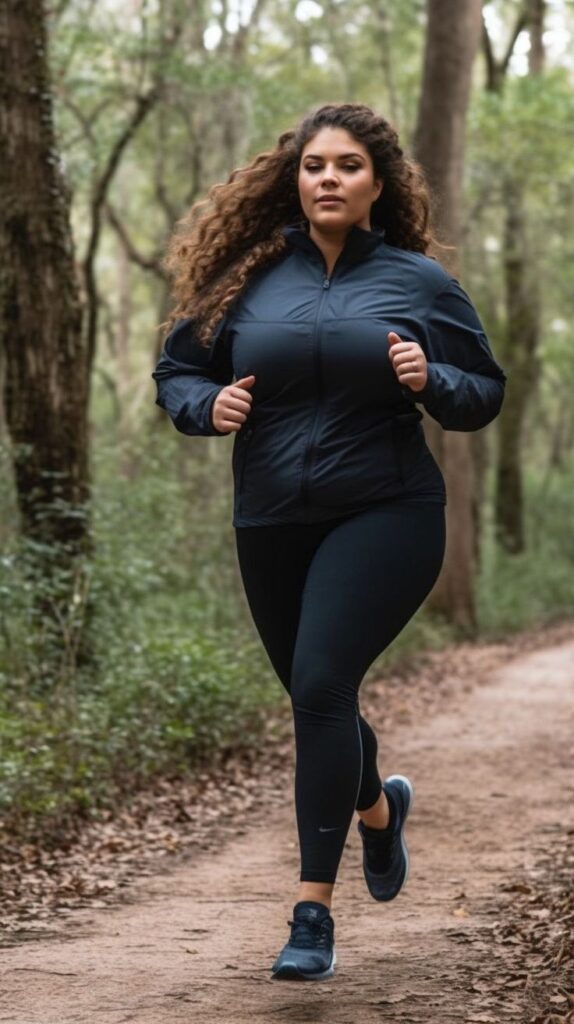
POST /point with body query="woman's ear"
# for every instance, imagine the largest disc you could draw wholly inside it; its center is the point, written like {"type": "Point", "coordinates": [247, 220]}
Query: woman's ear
{"type": "Point", "coordinates": [378, 185]}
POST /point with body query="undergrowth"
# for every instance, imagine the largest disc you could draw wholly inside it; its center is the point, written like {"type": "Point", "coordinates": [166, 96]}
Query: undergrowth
{"type": "Point", "coordinates": [178, 675]}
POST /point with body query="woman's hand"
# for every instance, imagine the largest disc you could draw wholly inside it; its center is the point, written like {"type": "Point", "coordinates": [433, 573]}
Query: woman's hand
{"type": "Point", "coordinates": [409, 362]}
{"type": "Point", "coordinates": [232, 405]}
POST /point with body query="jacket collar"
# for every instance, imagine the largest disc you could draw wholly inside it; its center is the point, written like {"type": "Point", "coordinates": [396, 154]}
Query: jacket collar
{"type": "Point", "coordinates": [358, 244]}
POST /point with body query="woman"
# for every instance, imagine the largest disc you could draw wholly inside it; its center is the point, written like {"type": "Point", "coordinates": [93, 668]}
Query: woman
{"type": "Point", "coordinates": [304, 277]}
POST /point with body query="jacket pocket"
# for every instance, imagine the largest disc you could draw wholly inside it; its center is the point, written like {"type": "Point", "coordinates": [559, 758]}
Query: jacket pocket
{"type": "Point", "coordinates": [404, 433]}
{"type": "Point", "coordinates": [244, 440]}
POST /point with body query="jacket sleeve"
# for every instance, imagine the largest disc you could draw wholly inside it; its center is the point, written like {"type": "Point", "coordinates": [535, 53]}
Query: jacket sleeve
{"type": "Point", "coordinates": [465, 385]}
{"type": "Point", "coordinates": [189, 376]}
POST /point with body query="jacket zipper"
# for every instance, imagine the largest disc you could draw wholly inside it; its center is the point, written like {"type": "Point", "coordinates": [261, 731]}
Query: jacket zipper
{"type": "Point", "coordinates": [308, 456]}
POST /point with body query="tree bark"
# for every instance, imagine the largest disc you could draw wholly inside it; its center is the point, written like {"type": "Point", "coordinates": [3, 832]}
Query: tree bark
{"type": "Point", "coordinates": [453, 36]}
{"type": "Point", "coordinates": [40, 315]}
{"type": "Point", "coordinates": [45, 378]}
{"type": "Point", "coordinates": [521, 343]}
{"type": "Point", "coordinates": [523, 313]}
{"type": "Point", "coordinates": [536, 10]}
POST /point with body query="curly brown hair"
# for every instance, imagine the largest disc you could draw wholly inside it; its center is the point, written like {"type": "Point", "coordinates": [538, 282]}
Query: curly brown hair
{"type": "Point", "coordinates": [226, 238]}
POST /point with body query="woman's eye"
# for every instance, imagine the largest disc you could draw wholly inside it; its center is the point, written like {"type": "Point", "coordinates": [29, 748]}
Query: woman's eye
{"type": "Point", "coordinates": [346, 167]}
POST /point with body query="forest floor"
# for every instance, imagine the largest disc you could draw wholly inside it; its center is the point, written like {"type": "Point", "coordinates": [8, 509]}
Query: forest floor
{"type": "Point", "coordinates": [107, 931]}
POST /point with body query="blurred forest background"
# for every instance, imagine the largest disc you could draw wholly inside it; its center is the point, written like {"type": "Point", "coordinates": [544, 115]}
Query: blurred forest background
{"type": "Point", "coordinates": [127, 651]}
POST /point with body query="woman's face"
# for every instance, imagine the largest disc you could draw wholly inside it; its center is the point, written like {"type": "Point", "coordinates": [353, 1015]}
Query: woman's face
{"type": "Point", "coordinates": [336, 182]}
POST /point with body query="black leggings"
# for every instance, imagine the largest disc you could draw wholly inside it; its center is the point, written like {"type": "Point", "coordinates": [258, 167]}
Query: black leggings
{"type": "Point", "coordinates": [326, 599]}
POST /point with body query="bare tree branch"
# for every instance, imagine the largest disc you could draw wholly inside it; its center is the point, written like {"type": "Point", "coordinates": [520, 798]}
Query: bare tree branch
{"type": "Point", "coordinates": [145, 262]}
{"type": "Point", "coordinates": [496, 69]}
{"type": "Point", "coordinates": [242, 34]}
{"type": "Point", "coordinates": [521, 24]}
{"type": "Point", "coordinates": [491, 65]}
{"type": "Point", "coordinates": [142, 108]}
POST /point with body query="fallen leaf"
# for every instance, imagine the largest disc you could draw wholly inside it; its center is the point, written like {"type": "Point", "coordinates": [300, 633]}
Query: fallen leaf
{"type": "Point", "coordinates": [517, 887]}
{"type": "Point", "coordinates": [461, 912]}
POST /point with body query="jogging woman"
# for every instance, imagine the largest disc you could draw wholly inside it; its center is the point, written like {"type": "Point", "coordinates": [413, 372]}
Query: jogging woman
{"type": "Point", "coordinates": [310, 323]}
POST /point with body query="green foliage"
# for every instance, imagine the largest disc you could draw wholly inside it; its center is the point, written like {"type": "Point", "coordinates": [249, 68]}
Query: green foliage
{"type": "Point", "coordinates": [178, 675]}
{"type": "Point", "coordinates": [526, 132]}
{"type": "Point", "coordinates": [160, 708]}
{"type": "Point", "coordinates": [537, 587]}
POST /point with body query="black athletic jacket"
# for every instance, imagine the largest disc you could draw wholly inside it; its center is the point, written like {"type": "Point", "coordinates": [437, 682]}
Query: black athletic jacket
{"type": "Point", "coordinates": [331, 431]}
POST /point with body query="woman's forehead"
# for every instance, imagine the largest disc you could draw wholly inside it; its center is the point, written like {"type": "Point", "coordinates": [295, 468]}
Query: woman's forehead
{"type": "Point", "coordinates": [335, 142]}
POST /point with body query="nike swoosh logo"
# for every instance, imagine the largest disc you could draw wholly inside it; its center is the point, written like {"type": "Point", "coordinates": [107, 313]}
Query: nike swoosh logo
{"type": "Point", "coordinates": [334, 829]}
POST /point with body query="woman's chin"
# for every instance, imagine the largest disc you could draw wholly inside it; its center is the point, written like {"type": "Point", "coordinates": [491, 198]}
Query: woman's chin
{"type": "Point", "coordinates": [331, 219]}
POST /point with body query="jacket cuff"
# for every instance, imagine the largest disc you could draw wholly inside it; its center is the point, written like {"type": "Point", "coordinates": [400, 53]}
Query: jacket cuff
{"type": "Point", "coordinates": [193, 416]}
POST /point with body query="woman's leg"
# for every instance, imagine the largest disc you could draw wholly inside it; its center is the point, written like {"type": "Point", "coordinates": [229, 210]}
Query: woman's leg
{"type": "Point", "coordinates": [274, 562]}
{"type": "Point", "coordinates": [367, 578]}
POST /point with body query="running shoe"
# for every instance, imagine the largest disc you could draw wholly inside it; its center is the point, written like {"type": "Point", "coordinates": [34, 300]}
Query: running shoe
{"type": "Point", "coordinates": [385, 855]}
{"type": "Point", "coordinates": [310, 953]}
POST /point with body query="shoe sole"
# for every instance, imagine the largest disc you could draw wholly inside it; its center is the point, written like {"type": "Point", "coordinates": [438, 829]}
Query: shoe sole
{"type": "Point", "coordinates": [409, 785]}
{"type": "Point", "coordinates": [290, 972]}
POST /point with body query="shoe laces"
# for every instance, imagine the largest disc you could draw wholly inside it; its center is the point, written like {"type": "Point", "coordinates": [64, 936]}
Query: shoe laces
{"type": "Point", "coordinates": [308, 934]}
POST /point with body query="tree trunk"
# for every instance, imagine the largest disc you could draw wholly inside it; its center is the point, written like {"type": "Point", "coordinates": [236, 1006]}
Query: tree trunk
{"type": "Point", "coordinates": [523, 312]}
{"type": "Point", "coordinates": [520, 361]}
{"type": "Point", "coordinates": [453, 36]}
{"type": "Point", "coordinates": [536, 12]}
{"type": "Point", "coordinates": [45, 378]}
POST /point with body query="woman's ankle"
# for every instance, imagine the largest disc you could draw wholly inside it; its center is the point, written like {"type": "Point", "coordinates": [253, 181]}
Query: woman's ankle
{"type": "Point", "coordinates": [377, 816]}
{"type": "Point", "coordinates": [316, 892]}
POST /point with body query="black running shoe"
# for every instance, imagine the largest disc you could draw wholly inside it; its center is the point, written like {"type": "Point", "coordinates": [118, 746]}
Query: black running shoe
{"type": "Point", "coordinates": [310, 953]}
{"type": "Point", "coordinates": [385, 855]}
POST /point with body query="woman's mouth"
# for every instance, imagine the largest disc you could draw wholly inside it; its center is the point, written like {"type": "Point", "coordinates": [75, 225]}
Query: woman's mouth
{"type": "Point", "coordinates": [329, 200]}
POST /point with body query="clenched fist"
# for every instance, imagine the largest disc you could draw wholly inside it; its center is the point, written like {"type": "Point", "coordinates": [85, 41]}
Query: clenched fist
{"type": "Point", "coordinates": [409, 362]}
{"type": "Point", "coordinates": [232, 405]}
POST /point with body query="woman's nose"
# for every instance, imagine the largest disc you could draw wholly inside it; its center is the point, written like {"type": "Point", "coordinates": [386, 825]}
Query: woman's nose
{"type": "Point", "coordinates": [329, 176]}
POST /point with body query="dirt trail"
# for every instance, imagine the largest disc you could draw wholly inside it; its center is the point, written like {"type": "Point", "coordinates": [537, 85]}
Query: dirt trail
{"type": "Point", "coordinates": [196, 944]}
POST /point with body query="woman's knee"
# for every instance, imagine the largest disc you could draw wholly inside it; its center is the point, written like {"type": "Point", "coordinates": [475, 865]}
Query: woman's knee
{"type": "Point", "coordinates": [322, 691]}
